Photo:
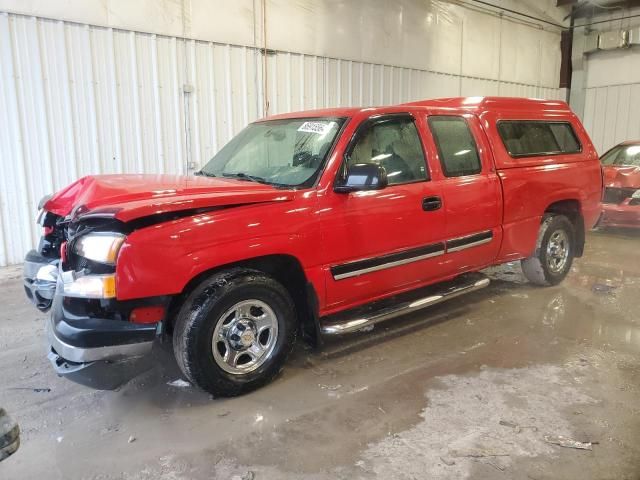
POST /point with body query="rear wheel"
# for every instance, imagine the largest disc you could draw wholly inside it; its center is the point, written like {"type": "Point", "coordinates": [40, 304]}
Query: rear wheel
{"type": "Point", "coordinates": [234, 332]}
{"type": "Point", "coordinates": [554, 252]}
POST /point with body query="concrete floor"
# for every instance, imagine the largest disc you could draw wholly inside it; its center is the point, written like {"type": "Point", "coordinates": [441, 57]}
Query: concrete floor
{"type": "Point", "coordinates": [422, 398]}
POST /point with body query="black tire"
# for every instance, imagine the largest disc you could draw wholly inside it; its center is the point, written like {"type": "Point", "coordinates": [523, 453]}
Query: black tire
{"type": "Point", "coordinates": [537, 268]}
{"type": "Point", "coordinates": [203, 310]}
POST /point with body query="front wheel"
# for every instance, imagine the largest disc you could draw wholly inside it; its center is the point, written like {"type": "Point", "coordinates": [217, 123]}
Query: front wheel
{"type": "Point", "coordinates": [234, 332]}
{"type": "Point", "coordinates": [554, 252]}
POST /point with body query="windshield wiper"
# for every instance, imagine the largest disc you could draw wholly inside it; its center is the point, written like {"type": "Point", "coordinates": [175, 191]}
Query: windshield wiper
{"type": "Point", "coordinates": [200, 173]}
{"type": "Point", "coordinates": [244, 176]}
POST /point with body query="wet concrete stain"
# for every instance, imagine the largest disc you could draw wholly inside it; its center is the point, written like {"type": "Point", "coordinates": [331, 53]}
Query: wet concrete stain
{"type": "Point", "coordinates": [417, 398]}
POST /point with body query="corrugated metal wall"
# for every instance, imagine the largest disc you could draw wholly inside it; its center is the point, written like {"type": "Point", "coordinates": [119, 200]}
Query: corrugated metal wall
{"type": "Point", "coordinates": [78, 99]}
{"type": "Point", "coordinates": [611, 82]}
{"type": "Point", "coordinates": [611, 114]}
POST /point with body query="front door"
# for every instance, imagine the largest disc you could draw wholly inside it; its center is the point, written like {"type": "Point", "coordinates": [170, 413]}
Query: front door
{"type": "Point", "coordinates": [379, 242]}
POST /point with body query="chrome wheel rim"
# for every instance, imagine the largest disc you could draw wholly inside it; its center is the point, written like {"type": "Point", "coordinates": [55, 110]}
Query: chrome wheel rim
{"type": "Point", "coordinates": [245, 337]}
{"type": "Point", "coordinates": [557, 251]}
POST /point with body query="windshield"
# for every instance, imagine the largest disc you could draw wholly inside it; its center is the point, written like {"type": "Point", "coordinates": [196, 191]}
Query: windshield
{"type": "Point", "coordinates": [289, 152]}
{"type": "Point", "coordinates": [622, 155]}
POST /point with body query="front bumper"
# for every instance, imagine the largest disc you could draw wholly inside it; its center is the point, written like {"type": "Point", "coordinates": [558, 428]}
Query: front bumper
{"type": "Point", "coordinates": [620, 215]}
{"type": "Point", "coordinates": [98, 352]}
{"type": "Point", "coordinates": [84, 339]}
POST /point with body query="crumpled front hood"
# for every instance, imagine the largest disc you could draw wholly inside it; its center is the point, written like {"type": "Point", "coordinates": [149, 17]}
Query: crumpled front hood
{"type": "Point", "coordinates": [622, 176]}
{"type": "Point", "coordinates": [128, 197]}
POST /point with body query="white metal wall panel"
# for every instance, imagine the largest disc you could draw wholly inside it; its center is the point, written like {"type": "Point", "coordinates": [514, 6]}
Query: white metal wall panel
{"type": "Point", "coordinates": [611, 116]}
{"type": "Point", "coordinates": [612, 85]}
{"type": "Point", "coordinates": [385, 32]}
{"type": "Point", "coordinates": [14, 107]}
{"type": "Point", "coordinates": [78, 99]}
{"type": "Point", "coordinates": [633, 122]}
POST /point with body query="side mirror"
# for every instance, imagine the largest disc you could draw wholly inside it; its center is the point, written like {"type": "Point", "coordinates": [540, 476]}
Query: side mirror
{"type": "Point", "coordinates": [363, 176]}
{"type": "Point", "coordinates": [9, 435]}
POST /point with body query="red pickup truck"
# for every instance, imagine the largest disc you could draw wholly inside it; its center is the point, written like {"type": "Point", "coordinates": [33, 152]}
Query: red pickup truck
{"type": "Point", "coordinates": [312, 223]}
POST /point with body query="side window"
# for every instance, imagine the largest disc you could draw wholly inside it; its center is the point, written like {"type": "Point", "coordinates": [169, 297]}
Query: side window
{"type": "Point", "coordinates": [531, 138]}
{"type": "Point", "coordinates": [393, 144]}
{"type": "Point", "coordinates": [456, 146]}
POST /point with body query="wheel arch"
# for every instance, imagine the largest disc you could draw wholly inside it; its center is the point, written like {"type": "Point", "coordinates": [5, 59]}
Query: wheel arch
{"type": "Point", "coordinates": [572, 209]}
{"type": "Point", "coordinates": [284, 268]}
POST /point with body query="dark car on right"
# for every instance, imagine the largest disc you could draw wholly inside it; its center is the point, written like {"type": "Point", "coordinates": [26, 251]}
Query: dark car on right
{"type": "Point", "coordinates": [621, 171]}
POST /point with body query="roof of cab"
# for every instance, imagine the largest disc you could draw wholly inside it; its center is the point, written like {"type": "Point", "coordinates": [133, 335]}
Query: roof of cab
{"type": "Point", "coordinates": [483, 104]}
{"type": "Point", "coordinates": [324, 112]}
{"type": "Point", "coordinates": [476, 105]}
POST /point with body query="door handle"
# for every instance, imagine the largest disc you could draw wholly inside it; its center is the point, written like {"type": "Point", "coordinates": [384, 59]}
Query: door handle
{"type": "Point", "coordinates": [430, 204]}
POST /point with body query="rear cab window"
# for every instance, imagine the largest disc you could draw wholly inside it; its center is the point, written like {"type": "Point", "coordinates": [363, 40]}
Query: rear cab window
{"type": "Point", "coordinates": [534, 138]}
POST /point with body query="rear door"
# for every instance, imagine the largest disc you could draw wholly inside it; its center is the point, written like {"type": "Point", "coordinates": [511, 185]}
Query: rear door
{"type": "Point", "coordinates": [471, 190]}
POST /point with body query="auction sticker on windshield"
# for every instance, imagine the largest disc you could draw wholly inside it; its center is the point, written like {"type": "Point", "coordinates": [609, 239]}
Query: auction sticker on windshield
{"type": "Point", "coordinates": [316, 127]}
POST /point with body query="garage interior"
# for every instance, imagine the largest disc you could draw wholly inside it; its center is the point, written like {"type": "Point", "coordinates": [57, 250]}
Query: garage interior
{"type": "Point", "coordinates": [481, 387]}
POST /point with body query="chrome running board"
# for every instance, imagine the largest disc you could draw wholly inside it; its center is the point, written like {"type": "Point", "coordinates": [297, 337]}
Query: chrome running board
{"type": "Point", "coordinates": [376, 312]}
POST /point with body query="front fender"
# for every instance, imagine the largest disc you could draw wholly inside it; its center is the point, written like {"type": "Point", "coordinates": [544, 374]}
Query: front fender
{"type": "Point", "coordinates": [162, 259]}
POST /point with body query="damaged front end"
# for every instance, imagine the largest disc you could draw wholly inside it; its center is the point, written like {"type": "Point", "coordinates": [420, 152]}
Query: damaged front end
{"type": "Point", "coordinates": [621, 178]}
{"type": "Point", "coordinates": [621, 208]}
{"type": "Point", "coordinates": [41, 265]}
{"type": "Point", "coordinates": [40, 276]}
{"type": "Point", "coordinates": [94, 339]}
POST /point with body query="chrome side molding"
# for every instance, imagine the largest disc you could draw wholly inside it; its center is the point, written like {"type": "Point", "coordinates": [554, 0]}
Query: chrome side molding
{"type": "Point", "coordinates": [368, 265]}
{"type": "Point", "coordinates": [363, 317]}
{"type": "Point", "coordinates": [403, 257]}
{"type": "Point", "coordinates": [469, 241]}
